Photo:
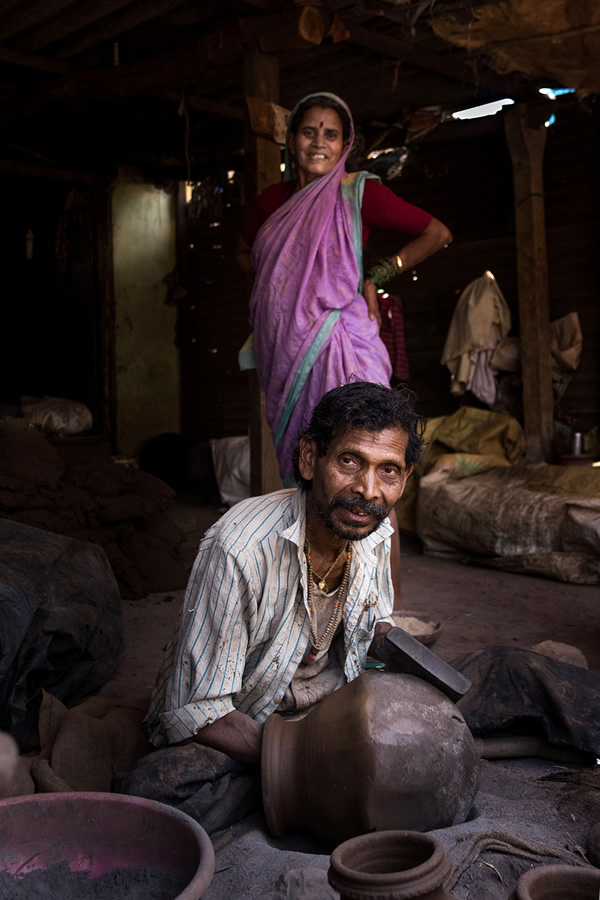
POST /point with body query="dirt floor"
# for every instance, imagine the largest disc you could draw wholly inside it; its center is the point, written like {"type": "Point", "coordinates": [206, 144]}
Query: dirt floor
{"type": "Point", "coordinates": [475, 606]}
{"type": "Point", "coordinates": [479, 607]}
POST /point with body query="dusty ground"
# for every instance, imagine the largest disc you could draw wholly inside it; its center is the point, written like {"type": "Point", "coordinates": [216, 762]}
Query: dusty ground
{"type": "Point", "coordinates": [476, 607]}
{"type": "Point", "coordinates": [479, 607]}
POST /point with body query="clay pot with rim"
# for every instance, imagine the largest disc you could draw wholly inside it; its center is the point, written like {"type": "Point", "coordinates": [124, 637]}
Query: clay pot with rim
{"type": "Point", "coordinates": [385, 752]}
{"type": "Point", "coordinates": [558, 883]}
{"type": "Point", "coordinates": [394, 865]}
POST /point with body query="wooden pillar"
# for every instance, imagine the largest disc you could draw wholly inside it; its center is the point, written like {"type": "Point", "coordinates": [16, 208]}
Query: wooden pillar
{"type": "Point", "coordinates": [526, 138]}
{"type": "Point", "coordinates": [262, 155]}
{"type": "Point", "coordinates": [262, 168]}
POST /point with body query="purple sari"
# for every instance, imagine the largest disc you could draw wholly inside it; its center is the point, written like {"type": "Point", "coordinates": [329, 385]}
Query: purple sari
{"type": "Point", "coordinates": [312, 330]}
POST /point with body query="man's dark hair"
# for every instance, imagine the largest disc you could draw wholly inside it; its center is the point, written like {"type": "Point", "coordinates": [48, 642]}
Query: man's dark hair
{"type": "Point", "coordinates": [321, 102]}
{"type": "Point", "coordinates": [362, 404]}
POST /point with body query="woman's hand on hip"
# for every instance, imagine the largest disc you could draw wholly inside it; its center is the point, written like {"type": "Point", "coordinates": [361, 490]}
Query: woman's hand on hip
{"type": "Point", "coordinates": [370, 295]}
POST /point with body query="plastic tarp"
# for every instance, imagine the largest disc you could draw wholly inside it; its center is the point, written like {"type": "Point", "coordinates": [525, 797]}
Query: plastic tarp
{"type": "Point", "coordinates": [61, 626]}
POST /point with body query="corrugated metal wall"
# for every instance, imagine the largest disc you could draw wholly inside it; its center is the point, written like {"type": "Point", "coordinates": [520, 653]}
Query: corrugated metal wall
{"type": "Point", "coordinates": [463, 176]}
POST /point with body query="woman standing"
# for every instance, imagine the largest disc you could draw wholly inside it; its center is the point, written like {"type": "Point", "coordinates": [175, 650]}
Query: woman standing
{"type": "Point", "coordinates": [316, 321]}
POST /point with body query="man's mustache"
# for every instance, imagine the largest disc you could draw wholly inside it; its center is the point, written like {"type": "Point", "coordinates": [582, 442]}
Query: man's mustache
{"type": "Point", "coordinates": [362, 506]}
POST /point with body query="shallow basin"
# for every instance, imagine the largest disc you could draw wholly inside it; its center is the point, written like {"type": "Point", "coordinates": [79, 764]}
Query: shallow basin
{"type": "Point", "coordinates": [99, 832]}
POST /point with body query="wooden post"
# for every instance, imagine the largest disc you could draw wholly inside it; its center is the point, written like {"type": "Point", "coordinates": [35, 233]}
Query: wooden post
{"type": "Point", "coordinates": [262, 162]}
{"type": "Point", "coordinates": [526, 139]}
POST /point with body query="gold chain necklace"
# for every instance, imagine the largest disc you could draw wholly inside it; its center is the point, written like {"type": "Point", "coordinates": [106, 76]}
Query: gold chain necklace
{"type": "Point", "coordinates": [322, 580]}
{"type": "Point", "coordinates": [324, 642]}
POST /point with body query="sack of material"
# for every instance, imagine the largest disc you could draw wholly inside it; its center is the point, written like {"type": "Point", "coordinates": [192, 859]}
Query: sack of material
{"type": "Point", "coordinates": [525, 519]}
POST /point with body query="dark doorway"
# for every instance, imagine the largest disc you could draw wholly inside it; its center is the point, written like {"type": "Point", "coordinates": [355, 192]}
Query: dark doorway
{"type": "Point", "coordinates": [50, 314]}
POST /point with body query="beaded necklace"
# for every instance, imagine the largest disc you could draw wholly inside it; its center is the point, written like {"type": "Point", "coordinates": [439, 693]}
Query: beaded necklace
{"type": "Point", "coordinates": [324, 642]}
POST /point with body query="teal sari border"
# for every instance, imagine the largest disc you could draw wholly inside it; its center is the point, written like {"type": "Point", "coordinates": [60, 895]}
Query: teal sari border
{"type": "Point", "coordinates": [304, 370]}
{"type": "Point", "coordinates": [354, 193]}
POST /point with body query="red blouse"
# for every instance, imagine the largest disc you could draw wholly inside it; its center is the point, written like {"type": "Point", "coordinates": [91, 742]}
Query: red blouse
{"type": "Point", "coordinates": [381, 208]}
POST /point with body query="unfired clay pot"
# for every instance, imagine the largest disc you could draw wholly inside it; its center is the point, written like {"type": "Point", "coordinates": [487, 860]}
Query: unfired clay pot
{"type": "Point", "coordinates": [386, 751]}
{"type": "Point", "coordinates": [390, 864]}
{"type": "Point", "coordinates": [558, 883]}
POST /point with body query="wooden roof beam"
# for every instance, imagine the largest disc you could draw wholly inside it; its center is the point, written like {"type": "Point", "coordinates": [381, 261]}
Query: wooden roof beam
{"type": "Point", "coordinates": [401, 50]}
{"type": "Point", "coordinates": [69, 21]}
{"type": "Point", "coordinates": [292, 29]}
{"type": "Point", "coordinates": [295, 27]}
{"type": "Point", "coordinates": [139, 78]}
{"type": "Point", "coordinates": [12, 168]}
{"type": "Point", "coordinates": [27, 61]}
{"type": "Point", "coordinates": [220, 110]}
{"type": "Point", "coordinates": [111, 27]}
{"type": "Point", "coordinates": [408, 14]}
{"type": "Point", "coordinates": [263, 4]}
{"type": "Point", "coordinates": [28, 15]}
{"type": "Point", "coordinates": [126, 81]}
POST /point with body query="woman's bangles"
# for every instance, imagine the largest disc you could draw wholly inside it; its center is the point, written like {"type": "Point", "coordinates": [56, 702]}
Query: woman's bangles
{"type": "Point", "coordinates": [385, 270]}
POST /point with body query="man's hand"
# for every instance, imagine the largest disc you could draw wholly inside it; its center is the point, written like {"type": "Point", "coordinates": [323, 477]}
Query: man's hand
{"type": "Point", "coordinates": [381, 629]}
{"type": "Point", "coordinates": [370, 295]}
{"type": "Point", "coordinates": [236, 734]}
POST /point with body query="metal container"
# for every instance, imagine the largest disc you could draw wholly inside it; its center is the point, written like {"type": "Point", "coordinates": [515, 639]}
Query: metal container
{"type": "Point", "coordinates": [577, 443]}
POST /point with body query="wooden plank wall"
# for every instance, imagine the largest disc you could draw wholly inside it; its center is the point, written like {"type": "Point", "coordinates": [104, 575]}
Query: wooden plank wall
{"type": "Point", "coordinates": [214, 323]}
{"type": "Point", "coordinates": [465, 179]}
{"type": "Point", "coordinates": [467, 182]}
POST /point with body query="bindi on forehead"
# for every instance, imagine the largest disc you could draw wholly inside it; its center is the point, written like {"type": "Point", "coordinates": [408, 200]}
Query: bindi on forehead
{"type": "Point", "coordinates": [321, 124]}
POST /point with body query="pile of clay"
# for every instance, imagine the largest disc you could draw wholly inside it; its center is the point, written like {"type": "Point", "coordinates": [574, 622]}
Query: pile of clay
{"type": "Point", "coordinates": [57, 882]}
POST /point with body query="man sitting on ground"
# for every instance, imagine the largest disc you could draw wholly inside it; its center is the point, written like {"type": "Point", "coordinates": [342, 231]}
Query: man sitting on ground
{"type": "Point", "coordinates": [291, 591]}
{"type": "Point", "coordinates": [289, 594]}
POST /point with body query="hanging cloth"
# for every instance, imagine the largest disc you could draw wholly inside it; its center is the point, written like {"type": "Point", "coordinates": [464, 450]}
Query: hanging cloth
{"type": "Point", "coordinates": [481, 319]}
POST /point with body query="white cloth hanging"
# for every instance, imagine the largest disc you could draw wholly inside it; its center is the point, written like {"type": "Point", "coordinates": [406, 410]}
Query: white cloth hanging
{"type": "Point", "coordinates": [481, 319]}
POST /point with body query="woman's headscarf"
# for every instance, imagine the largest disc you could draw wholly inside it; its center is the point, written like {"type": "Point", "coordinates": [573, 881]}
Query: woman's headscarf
{"type": "Point", "coordinates": [288, 159]}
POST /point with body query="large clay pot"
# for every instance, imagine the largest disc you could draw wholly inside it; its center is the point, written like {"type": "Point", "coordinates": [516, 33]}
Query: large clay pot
{"type": "Point", "coordinates": [387, 751]}
{"type": "Point", "coordinates": [390, 864]}
{"type": "Point", "coordinates": [558, 883]}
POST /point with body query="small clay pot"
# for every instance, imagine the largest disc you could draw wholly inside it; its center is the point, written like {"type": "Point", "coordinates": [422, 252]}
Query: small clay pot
{"type": "Point", "coordinates": [558, 883]}
{"type": "Point", "coordinates": [386, 751]}
{"type": "Point", "coordinates": [390, 864]}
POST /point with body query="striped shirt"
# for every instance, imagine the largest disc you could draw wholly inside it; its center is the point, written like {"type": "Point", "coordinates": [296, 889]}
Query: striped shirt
{"type": "Point", "coordinates": [244, 625]}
